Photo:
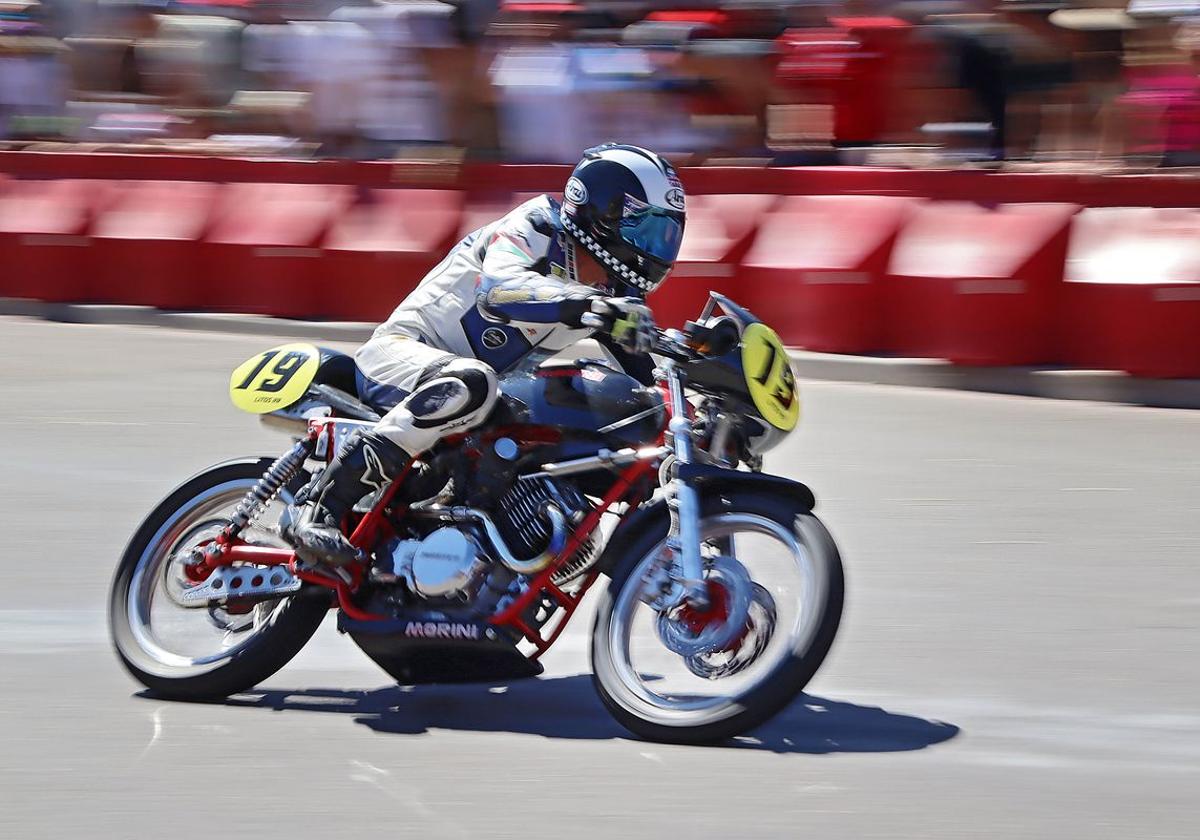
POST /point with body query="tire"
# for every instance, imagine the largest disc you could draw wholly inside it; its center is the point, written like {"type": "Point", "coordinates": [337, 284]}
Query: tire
{"type": "Point", "coordinates": [274, 642]}
{"type": "Point", "coordinates": [780, 685]}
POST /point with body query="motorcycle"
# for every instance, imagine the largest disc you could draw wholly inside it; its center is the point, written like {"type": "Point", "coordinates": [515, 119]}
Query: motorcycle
{"type": "Point", "coordinates": [724, 591]}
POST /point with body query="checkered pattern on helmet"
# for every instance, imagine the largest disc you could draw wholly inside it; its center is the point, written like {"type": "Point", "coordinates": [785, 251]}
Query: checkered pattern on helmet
{"type": "Point", "coordinates": [599, 252]}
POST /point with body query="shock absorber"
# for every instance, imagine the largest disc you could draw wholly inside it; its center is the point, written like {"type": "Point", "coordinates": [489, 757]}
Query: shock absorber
{"type": "Point", "coordinates": [267, 488]}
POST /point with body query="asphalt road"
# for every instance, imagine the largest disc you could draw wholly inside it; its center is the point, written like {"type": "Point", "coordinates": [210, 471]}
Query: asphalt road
{"type": "Point", "coordinates": [1018, 657]}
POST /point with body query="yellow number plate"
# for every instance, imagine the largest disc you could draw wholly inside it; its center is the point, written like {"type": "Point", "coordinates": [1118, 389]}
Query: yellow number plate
{"type": "Point", "coordinates": [274, 379]}
{"type": "Point", "coordinates": [769, 377]}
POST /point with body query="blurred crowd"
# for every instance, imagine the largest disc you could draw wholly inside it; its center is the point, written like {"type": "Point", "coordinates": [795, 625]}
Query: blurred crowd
{"type": "Point", "coordinates": [852, 81]}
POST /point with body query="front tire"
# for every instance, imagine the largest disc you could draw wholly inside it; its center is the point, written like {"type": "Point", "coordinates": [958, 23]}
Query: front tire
{"type": "Point", "coordinates": [265, 639]}
{"type": "Point", "coordinates": [657, 715]}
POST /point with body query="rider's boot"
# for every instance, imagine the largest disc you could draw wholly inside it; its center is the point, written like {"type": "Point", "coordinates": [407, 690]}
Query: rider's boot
{"type": "Point", "coordinates": [366, 462]}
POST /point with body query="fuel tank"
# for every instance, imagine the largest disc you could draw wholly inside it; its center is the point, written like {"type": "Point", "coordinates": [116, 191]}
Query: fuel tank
{"type": "Point", "coordinates": [586, 398]}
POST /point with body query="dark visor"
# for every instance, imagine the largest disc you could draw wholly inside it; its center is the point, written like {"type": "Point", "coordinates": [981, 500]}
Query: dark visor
{"type": "Point", "coordinates": [654, 232]}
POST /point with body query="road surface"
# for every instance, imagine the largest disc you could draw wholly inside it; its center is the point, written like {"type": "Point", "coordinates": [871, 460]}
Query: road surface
{"type": "Point", "coordinates": [1018, 657]}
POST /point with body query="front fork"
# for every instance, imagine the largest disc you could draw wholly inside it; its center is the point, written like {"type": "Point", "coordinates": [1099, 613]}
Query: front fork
{"type": "Point", "coordinates": [683, 540]}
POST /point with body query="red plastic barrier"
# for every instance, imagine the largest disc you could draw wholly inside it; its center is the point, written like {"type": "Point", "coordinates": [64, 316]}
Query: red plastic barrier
{"type": "Point", "coordinates": [381, 249]}
{"type": "Point", "coordinates": [1132, 296]}
{"type": "Point", "coordinates": [145, 244]}
{"type": "Point", "coordinates": [1159, 189]}
{"type": "Point", "coordinates": [44, 248]}
{"type": "Point", "coordinates": [263, 252]}
{"type": "Point", "coordinates": [815, 269]}
{"type": "Point", "coordinates": [978, 286]}
{"type": "Point", "coordinates": [720, 229]}
{"type": "Point", "coordinates": [483, 209]}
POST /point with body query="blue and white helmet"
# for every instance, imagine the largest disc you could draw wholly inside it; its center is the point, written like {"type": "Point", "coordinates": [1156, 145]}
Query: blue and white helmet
{"type": "Point", "coordinates": [626, 206]}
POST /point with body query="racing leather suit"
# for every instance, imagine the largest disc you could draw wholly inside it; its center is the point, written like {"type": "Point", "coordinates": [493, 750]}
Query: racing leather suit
{"type": "Point", "coordinates": [507, 292]}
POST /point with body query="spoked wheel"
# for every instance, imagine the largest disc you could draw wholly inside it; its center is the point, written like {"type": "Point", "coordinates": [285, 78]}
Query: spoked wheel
{"type": "Point", "coordinates": [775, 590]}
{"type": "Point", "coordinates": [209, 652]}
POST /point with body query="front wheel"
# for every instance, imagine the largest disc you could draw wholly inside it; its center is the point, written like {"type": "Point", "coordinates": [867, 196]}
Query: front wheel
{"type": "Point", "coordinates": [210, 652]}
{"type": "Point", "coordinates": [775, 580]}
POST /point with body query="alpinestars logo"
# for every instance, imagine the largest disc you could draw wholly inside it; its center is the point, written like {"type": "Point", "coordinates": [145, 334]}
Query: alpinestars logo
{"type": "Point", "coordinates": [441, 630]}
{"type": "Point", "coordinates": [373, 475]}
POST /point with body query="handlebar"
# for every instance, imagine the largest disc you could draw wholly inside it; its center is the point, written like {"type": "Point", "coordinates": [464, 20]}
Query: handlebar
{"type": "Point", "coordinates": [666, 344]}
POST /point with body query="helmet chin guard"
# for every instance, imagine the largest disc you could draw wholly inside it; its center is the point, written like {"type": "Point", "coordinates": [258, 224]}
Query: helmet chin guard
{"type": "Point", "coordinates": [617, 271]}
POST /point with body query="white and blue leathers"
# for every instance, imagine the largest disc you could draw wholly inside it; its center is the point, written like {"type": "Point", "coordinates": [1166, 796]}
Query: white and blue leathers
{"type": "Point", "coordinates": [506, 292]}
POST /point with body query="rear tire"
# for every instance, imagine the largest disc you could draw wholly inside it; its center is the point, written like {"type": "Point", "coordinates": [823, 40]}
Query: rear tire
{"type": "Point", "coordinates": [773, 691]}
{"type": "Point", "coordinates": [273, 644]}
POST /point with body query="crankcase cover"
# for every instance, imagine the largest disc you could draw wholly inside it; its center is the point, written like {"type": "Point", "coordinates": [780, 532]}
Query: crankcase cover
{"type": "Point", "coordinates": [444, 563]}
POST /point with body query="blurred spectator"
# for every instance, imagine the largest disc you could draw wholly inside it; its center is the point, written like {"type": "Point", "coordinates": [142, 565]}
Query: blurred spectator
{"type": "Point", "coordinates": [33, 78]}
{"type": "Point", "coordinates": [190, 59]}
{"type": "Point", "coordinates": [1159, 115]}
{"type": "Point", "coordinates": [399, 101]}
{"type": "Point", "coordinates": [1008, 64]}
{"type": "Point", "coordinates": [536, 74]}
{"type": "Point", "coordinates": [847, 82]}
{"type": "Point", "coordinates": [1094, 36]}
{"type": "Point", "coordinates": [797, 81]}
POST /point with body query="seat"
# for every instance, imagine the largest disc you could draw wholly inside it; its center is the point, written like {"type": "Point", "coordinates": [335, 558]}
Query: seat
{"type": "Point", "coordinates": [337, 370]}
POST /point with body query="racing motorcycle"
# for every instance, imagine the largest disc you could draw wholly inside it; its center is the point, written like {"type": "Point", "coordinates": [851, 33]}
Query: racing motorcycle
{"type": "Point", "coordinates": [724, 591]}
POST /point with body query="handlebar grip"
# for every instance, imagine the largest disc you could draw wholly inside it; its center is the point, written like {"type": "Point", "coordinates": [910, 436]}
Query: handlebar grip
{"type": "Point", "coordinates": [665, 345]}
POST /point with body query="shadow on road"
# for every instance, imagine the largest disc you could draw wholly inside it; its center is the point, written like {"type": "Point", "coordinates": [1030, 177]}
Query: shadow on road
{"type": "Point", "coordinates": [567, 707]}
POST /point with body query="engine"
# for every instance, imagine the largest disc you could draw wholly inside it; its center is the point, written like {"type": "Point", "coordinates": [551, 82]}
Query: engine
{"type": "Point", "coordinates": [528, 531]}
{"type": "Point", "coordinates": [447, 563]}
{"type": "Point", "coordinates": [464, 563]}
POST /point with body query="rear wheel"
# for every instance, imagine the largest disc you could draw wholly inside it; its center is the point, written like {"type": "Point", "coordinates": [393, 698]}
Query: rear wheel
{"type": "Point", "coordinates": [687, 676]}
{"type": "Point", "coordinates": [209, 652]}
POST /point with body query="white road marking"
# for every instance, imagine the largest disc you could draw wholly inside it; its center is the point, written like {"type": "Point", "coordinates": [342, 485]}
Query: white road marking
{"type": "Point", "coordinates": [382, 780]}
{"type": "Point", "coordinates": [156, 718]}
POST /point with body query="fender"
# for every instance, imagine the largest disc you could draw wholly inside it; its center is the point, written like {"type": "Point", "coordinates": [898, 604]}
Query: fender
{"type": "Point", "coordinates": [712, 482]}
{"type": "Point", "coordinates": [723, 479]}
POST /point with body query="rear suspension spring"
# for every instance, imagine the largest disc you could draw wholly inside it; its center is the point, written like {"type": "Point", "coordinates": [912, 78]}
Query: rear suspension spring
{"type": "Point", "coordinates": [267, 488]}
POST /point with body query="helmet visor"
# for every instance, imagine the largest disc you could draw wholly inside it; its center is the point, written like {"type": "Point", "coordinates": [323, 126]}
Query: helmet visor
{"type": "Point", "coordinates": [655, 232]}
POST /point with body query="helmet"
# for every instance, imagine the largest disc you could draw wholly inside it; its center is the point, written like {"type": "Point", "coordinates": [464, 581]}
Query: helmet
{"type": "Point", "coordinates": [625, 205]}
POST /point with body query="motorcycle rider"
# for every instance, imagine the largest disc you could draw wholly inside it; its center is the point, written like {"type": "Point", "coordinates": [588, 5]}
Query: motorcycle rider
{"type": "Point", "coordinates": [540, 279]}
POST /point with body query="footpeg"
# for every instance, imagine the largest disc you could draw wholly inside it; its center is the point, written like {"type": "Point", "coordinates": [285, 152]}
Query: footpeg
{"type": "Point", "coordinates": [239, 582]}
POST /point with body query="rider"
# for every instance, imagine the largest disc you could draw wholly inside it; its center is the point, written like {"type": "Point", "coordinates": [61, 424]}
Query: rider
{"type": "Point", "coordinates": [535, 282]}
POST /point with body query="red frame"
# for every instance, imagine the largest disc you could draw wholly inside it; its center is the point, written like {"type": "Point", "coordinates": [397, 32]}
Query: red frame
{"type": "Point", "coordinates": [372, 527]}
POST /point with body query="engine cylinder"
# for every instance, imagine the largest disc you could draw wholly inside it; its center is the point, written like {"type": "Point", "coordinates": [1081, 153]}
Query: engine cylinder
{"type": "Point", "coordinates": [526, 529]}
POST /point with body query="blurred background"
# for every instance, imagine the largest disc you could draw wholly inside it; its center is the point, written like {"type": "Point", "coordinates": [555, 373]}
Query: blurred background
{"type": "Point", "coordinates": [1039, 83]}
{"type": "Point", "coordinates": [994, 194]}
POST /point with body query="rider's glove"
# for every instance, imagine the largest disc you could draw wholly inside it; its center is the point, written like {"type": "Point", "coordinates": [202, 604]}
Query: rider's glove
{"type": "Point", "coordinates": [628, 320]}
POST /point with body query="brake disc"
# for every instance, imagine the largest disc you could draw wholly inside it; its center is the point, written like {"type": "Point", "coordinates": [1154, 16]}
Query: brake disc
{"type": "Point", "coordinates": [688, 633]}
{"type": "Point", "coordinates": [734, 660]}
